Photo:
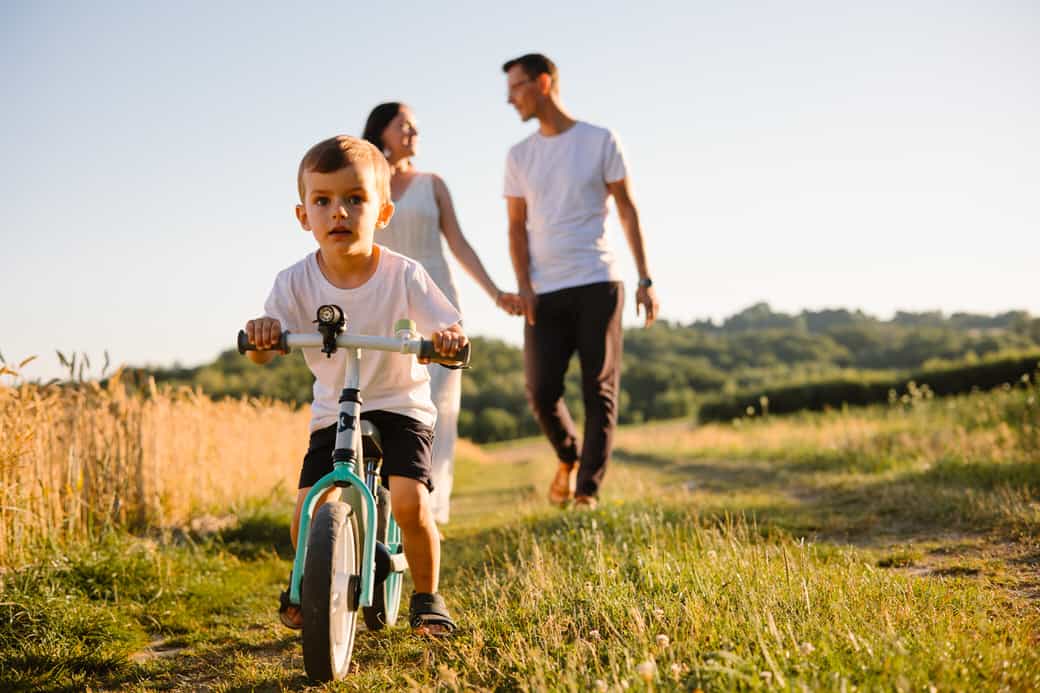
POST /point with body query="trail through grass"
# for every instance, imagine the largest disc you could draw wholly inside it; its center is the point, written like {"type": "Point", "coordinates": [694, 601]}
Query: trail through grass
{"type": "Point", "coordinates": [716, 562]}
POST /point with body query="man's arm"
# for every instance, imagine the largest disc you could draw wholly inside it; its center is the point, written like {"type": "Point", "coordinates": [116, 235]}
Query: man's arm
{"type": "Point", "coordinates": [516, 208]}
{"type": "Point", "coordinates": [646, 296]}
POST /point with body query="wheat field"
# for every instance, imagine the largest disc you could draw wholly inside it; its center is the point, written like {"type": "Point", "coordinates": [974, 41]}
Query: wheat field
{"type": "Point", "coordinates": [76, 458]}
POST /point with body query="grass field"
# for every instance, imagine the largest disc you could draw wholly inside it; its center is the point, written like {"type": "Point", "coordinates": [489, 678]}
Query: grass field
{"type": "Point", "coordinates": [896, 548]}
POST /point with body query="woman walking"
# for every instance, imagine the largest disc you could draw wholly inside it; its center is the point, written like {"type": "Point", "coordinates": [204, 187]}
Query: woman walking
{"type": "Point", "coordinates": [424, 218]}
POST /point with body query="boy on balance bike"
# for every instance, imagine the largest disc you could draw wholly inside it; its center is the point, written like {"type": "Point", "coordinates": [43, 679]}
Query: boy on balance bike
{"type": "Point", "coordinates": [344, 197]}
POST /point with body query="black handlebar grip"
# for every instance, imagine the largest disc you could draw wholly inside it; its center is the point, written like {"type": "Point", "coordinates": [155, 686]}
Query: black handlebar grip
{"type": "Point", "coordinates": [459, 360]}
{"type": "Point", "coordinates": [245, 345]}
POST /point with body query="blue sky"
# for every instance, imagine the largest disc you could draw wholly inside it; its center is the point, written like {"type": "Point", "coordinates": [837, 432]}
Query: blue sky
{"type": "Point", "coordinates": [810, 154]}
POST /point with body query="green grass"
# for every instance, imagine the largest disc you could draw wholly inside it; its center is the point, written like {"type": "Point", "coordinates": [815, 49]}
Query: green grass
{"type": "Point", "coordinates": [752, 558]}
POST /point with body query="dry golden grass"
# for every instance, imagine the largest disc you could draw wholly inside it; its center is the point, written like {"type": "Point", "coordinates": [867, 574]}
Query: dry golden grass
{"type": "Point", "coordinates": [931, 432]}
{"type": "Point", "coordinates": [78, 458]}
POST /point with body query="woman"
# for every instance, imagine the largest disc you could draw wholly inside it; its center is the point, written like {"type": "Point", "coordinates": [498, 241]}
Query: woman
{"type": "Point", "coordinates": [424, 215]}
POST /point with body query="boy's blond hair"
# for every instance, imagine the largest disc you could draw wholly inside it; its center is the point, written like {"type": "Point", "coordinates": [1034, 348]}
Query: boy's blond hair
{"type": "Point", "coordinates": [342, 151]}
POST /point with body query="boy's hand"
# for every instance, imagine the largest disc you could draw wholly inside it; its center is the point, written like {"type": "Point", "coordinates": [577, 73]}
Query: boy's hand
{"type": "Point", "coordinates": [264, 333]}
{"type": "Point", "coordinates": [449, 341]}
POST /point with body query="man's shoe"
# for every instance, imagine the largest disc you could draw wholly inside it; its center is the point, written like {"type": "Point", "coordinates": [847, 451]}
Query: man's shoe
{"type": "Point", "coordinates": [561, 490]}
{"type": "Point", "coordinates": [585, 503]}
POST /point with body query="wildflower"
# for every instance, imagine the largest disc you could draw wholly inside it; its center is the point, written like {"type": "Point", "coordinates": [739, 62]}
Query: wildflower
{"type": "Point", "coordinates": [662, 640]}
{"type": "Point", "coordinates": [807, 648]}
{"type": "Point", "coordinates": [647, 670]}
{"type": "Point", "coordinates": [593, 634]}
{"type": "Point", "coordinates": [601, 685]}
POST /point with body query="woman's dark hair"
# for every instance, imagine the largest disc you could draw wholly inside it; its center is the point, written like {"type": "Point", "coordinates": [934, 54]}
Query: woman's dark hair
{"type": "Point", "coordinates": [377, 121]}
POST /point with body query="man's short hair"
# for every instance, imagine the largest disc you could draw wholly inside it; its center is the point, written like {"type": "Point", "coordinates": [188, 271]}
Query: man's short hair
{"type": "Point", "coordinates": [535, 64]}
{"type": "Point", "coordinates": [342, 151]}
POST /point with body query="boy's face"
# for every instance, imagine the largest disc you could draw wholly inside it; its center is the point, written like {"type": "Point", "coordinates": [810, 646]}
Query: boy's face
{"type": "Point", "coordinates": [343, 209]}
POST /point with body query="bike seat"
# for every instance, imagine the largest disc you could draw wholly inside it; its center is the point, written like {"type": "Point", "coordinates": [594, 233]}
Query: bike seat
{"type": "Point", "coordinates": [371, 444]}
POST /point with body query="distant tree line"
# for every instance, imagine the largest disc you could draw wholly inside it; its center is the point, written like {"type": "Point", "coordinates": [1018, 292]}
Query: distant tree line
{"type": "Point", "coordinates": [671, 369]}
{"type": "Point", "coordinates": [872, 389]}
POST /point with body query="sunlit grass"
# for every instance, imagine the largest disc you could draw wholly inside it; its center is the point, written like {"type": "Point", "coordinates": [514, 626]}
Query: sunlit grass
{"type": "Point", "coordinates": [891, 548]}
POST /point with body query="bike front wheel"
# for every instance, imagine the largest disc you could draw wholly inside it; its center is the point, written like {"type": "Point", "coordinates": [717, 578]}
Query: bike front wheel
{"type": "Point", "coordinates": [330, 591]}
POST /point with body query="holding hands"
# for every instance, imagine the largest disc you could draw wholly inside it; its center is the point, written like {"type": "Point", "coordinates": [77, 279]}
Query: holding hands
{"type": "Point", "coordinates": [528, 300]}
{"type": "Point", "coordinates": [509, 302]}
{"type": "Point", "coordinates": [524, 302]}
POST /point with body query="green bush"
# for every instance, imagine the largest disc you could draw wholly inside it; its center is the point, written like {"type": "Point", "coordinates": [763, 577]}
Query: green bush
{"type": "Point", "coordinates": [494, 424]}
{"type": "Point", "coordinates": [817, 396]}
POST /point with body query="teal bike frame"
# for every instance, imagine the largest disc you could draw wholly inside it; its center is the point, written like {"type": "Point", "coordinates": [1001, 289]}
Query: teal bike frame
{"type": "Point", "coordinates": [347, 457]}
{"type": "Point", "coordinates": [345, 475]}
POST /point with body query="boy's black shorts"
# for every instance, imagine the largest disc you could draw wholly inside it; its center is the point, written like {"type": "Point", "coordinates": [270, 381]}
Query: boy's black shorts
{"type": "Point", "coordinates": [407, 449]}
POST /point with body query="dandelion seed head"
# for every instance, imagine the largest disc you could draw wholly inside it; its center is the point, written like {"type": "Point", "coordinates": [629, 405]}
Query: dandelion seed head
{"type": "Point", "coordinates": [646, 670]}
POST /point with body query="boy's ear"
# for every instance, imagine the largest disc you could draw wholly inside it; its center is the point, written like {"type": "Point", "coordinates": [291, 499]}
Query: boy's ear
{"type": "Point", "coordinates": [385, 213]}
{"type": "Point", "coordinates": [301, 216]}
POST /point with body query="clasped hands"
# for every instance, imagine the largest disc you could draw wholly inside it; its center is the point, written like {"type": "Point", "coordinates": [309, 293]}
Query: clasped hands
{"type": "Point", "coordinates": [524, 302]}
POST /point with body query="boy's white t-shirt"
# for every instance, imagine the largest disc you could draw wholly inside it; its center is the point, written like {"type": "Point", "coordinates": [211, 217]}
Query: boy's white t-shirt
{"type": "Point", "coordinates": [400, 288]}
{"type": "Point", "coordinates": [563, 179]}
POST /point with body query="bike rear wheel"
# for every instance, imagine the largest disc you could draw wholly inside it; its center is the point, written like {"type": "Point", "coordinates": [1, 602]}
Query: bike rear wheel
{"type": "Point", "coordinates": [330, 592]}
{"type": "Point", "coordinates": [386, 598]}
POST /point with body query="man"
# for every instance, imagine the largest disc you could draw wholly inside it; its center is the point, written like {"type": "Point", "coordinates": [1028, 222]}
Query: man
{"type": "Point", "coordinates": [556, 189]}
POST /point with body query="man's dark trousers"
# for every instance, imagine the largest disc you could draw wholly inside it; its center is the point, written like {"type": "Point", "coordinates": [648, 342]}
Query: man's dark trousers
{"type": "Point", "coordinates": [586, 319]}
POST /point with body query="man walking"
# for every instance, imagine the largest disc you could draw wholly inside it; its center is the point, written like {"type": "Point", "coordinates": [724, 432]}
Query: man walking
{"type": "Point", "coordinates": [556, 188]}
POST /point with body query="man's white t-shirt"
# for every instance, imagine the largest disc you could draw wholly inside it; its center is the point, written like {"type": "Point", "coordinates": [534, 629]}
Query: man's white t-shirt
{"type": "Point", "coordinates": [400, 288]}
{"type": "Point", "coordinates": [563, 179]}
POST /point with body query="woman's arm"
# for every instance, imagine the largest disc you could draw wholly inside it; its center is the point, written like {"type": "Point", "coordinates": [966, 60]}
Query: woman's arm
{"type": "Point", "coordinates": [459, 246]}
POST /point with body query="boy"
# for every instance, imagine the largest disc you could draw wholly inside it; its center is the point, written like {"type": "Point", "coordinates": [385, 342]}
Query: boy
{"type": "Point", "coordinates": [344, 186]}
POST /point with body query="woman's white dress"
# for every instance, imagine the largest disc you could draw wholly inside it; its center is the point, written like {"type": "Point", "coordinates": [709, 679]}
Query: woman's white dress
{"type": "Point", "coordinates": [415, 231]}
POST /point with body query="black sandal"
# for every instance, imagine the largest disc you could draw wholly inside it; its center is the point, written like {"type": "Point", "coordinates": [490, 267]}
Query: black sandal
{"type": "Point", "coordinates": [283, 608]}
{"type": "Point", "coordinates": [427, 609]}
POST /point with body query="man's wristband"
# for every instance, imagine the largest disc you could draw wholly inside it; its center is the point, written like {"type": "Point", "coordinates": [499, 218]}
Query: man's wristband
{"type": "Point", "coordinates": [645, 283]}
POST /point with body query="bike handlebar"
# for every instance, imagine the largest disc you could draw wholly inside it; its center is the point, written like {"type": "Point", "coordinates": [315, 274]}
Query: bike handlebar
{"type": "Point", "coordinates": [423, 348]}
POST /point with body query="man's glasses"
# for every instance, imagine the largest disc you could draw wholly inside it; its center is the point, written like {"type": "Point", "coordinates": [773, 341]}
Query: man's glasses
{"type": "Point", "coordinates": [516, 85]}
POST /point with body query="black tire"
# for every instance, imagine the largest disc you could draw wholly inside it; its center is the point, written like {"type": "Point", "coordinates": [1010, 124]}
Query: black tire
{"type": "Point", "coordinates": [330, 610]}
{"type": "Point", "coordinates": [388, 594]}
